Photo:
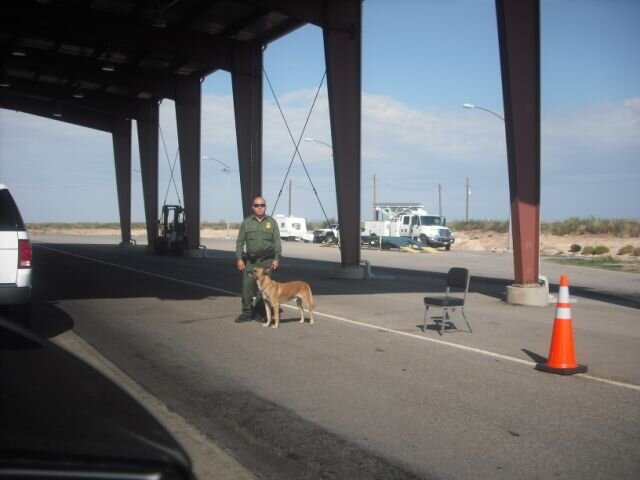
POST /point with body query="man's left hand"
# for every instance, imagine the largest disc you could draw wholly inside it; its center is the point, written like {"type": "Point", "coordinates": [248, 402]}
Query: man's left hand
{"type": "Point", "coordinates": [275, 264]}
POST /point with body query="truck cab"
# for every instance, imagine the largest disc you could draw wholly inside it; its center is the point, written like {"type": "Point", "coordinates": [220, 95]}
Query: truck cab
{"type": "Point", "coordinates": [430, 230]}
{"type": "Point", "coordinates": [329, 234]}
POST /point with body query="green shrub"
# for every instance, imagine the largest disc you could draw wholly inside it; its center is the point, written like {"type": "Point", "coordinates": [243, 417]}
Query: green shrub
{"type": "Point", "coordinates": [588, 250]}
{"type": "Point", "coordinates": [600, 249]}
{"type": "Point", "coordinates": [500, 226]}
{"type": "Point", "coordinates": [604, 260]}
{"type": "Point", "coordinates": [575, 248]}
{"type": "Point", "coordinates": [594, 226]}
{"type": "Point", "coordinates": [636, 252]}
{"type": "Point", "coordinates": [627, 249]}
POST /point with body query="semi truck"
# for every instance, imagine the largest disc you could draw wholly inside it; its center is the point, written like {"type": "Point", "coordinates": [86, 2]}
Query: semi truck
{"type": "Point", "coordinates": [409, 220]}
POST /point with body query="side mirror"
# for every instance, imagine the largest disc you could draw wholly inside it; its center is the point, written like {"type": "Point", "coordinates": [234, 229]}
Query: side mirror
{"type": "Point", "coordinates": [444, 221]}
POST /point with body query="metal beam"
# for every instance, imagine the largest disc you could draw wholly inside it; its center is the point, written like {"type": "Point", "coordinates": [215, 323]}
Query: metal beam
{"type": "Point", "coordinates": [115, 105]}
{"type": "Point", "coordinates": [246, 78]}
{"type": "Point", "coordinates": [122, 156]}
{"type": "Point", "coordinates": [188, 111]}
{"type": "Point", "coordinates": [310, 12]}
{"type": "Point", "coordinates": [148, 136]}
{"type": "Point", "coordinates": [519, 38]}
{"type": "Point", "coordinates": [135, 80]}
{"type": "Point", "coordinates": [343, 51]}
{"type": "Point", "coordinates": [45, 109]}
{"type": "Point", "coordinates": [90, 25]}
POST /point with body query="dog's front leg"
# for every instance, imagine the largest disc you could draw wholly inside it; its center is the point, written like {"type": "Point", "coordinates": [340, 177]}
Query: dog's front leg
{"type": "Point", "coordinates": [267, 312]}
{"type": "Point", "coordinates": [276, 314]}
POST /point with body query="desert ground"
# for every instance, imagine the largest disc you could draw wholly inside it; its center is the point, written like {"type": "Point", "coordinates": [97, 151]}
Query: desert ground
{"type": "Point", "coordinates": [472, 240]}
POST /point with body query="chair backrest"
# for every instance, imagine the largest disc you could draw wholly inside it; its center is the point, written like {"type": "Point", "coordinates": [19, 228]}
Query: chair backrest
{"type": "Point", "coordinates": [458, 277]}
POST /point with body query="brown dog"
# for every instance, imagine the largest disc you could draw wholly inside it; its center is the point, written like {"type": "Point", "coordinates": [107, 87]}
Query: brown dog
{"type": "Point", "coordinates": [275, 293]}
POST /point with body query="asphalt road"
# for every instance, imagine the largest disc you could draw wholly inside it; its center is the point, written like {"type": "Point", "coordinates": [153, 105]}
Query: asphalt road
{"type": "Point", "coordinates": [363, 393]}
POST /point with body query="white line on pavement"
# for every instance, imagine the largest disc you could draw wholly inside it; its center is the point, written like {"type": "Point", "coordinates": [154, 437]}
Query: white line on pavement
{"type": "Point", "coordinates": [354, 322]}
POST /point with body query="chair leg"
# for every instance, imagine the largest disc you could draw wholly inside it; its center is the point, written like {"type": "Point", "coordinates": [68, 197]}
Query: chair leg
{"type": "Point", "coordinates": [465, 319]}
{"type": "Point", "coordinates": [424, 324]}
{"type": "Point", "coordinates": [445, 318]}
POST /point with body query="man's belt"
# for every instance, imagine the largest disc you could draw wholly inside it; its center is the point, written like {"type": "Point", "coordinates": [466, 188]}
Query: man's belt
{"type": "Point", "coordinates": [255, 258]}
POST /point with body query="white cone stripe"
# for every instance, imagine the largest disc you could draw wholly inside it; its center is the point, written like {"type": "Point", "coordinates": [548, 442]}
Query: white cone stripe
{"type": "Point", "coordinates": [563, 314]}
{"type": "Point", "coordinates": [563, 295]}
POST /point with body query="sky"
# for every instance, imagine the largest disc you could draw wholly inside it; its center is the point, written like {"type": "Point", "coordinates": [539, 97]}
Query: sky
{"type": "Point", "coordinates": [422, 59]}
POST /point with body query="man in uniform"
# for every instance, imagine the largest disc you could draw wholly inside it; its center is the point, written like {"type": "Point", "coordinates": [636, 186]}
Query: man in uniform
{"type": "Point", "coordinates": [258, 245]}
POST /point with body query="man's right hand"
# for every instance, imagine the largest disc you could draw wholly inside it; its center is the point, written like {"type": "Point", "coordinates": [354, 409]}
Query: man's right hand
{"type": "Point", "coordinates": [240, 265]}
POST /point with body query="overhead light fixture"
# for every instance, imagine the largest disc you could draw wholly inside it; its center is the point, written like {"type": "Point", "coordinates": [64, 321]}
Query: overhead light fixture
{"type": "Point", "coordinates": [78, 93]}
{"type": "Point", "coordinates": [19, 52]}
{"type": "Point", "coordinates": [108, 67]}
{"type": "Point", "coordinates": [4, 79]}
{"type": "Point", "coordinates": [58, 111]}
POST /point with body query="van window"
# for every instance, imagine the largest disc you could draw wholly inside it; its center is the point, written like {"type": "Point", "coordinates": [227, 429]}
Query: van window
{"type": "Point", "coordinates": [10, 218]}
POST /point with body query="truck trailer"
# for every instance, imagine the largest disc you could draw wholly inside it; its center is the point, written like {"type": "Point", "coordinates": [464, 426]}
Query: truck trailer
{"type": "Point", "coordinates": [291, 228]}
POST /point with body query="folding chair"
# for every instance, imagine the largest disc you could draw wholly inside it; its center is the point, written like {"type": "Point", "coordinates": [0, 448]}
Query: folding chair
{"type": "Point", "coordinates": [457, 278]}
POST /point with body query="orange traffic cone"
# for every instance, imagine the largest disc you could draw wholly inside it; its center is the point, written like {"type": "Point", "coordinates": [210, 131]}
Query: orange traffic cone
{"type": "Point", "coordinates": [562, 357]}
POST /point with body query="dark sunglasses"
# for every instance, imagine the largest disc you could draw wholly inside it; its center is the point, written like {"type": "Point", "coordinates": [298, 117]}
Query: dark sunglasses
{"type": "Point", "coordinates": [259, 205]}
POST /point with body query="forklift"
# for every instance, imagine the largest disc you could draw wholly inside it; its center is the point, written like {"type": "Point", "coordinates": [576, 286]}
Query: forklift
{"type": "Point", "coordinates": [173, 231]}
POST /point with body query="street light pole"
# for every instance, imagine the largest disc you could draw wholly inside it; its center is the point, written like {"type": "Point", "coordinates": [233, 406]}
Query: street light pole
{"type": "Point", "coordinates": [227, 171]}
{"type": "Point", "coordinates": [472, 105]}
{"type": "Point", "coordinates": [308, 139]}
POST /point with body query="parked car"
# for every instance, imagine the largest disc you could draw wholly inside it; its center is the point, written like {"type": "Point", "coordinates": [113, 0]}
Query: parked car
{"type": "Point", "coordinates": [326, 235]}
{"type": "Point", "coordinates": [62, 419]}
{"type": "Point", "coordinates": [15, 255]}
{"type": "Point", "coordinates": [307, 237]}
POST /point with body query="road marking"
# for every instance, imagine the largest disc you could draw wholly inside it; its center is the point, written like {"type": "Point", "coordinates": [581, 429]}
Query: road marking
{"type": "Point", "coordinates": [480, 351]}
{"type": "Point", "coordinates": [466, 348]}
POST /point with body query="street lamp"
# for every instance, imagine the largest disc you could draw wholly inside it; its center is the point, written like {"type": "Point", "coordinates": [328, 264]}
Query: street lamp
{"type": "Point", "coordinates": [227, 171]}
{"type": "Point", "coordinates": [471, 105]}
{"type": "Point", "coordinates": [319, 141]}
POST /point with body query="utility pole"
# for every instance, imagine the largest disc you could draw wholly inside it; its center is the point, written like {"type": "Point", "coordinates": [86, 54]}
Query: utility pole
{"type": "Point", "coordinates": [440, 199]}
{"type": "Point", "coordinates": [468, 193]}
{"type": "Point", "coordinates": [289, 197]}
{"type": "Point", "coordinates": [374, 197]}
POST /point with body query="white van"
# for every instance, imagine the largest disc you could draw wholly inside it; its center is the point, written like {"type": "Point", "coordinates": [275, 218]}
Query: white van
{"type": "Point", "coordinates": [291, 228]}
{"type": "Point", "coordinates": [15, 254]}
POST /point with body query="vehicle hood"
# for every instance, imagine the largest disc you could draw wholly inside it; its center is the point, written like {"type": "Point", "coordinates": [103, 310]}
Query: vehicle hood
{"type": "Point", "coordinates": [56, 408]}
